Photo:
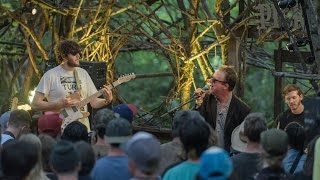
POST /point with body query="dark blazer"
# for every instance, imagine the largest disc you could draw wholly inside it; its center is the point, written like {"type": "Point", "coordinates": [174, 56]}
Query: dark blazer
{"type": "Point", "coordinates": [237, 111]}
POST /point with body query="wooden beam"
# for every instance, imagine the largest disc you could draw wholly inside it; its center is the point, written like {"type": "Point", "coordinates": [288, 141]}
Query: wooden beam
{"type": "Point", "coordinates": [160, 133]}
{"type": "Point", "coordinates": [277, 98]}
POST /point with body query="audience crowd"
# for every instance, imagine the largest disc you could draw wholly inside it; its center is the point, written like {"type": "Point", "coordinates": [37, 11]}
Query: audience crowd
{"type": "Point", "coordinates": [113, 151]}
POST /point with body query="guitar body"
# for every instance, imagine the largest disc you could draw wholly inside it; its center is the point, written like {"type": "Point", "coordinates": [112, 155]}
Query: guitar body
{"type": "Point", "coordinates": [72, 113]}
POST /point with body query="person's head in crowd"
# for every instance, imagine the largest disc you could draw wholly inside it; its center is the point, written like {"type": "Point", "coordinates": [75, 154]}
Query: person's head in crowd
{"type": "Point", "coordinates": [143, 151]}
{"type": "Point", "coordinates": [101, 118]}
{"type": "Point", "coordinates": [18, 158]}
{"type": "Point", "coordinates": [47, 144]}
{"type": "Point", "coordinates": [126, 111]}
{"type": "Point", "coordinates": [194, 133]}
{"type": "Point", "coordinates": [65, 160]}
{"type": "Point", "coordinates": [37, 171]}
{"type": "Point", "coordinates": [19, 122]}
{"type": "Point", "coordinates": [87, 157]}
{"type": "Point", "coordinates": [248, 132]}
{"type": "Point", "coordinates": [215, 164]}
{"type": "Point", "coordinates": [75, 131]}
{"type": "Point", "coordinates": [4, 119]}
{"type": "Point", "coordinates": [118, 131]}
{"type": "Point", "coordinates": [296, 136]}
{"type": "Point", "coordinates": [50, 124]}
{"type": "Point", "coordinates": [254, 125]}
{"type": "Point", "coordinates": [176, 123]}
{"type": "Point", "coordinates": [293, 97]}
{"type": "Point", "coordinates": [274, 143]}
{"type": "Point", "coordinates": [310, 150]}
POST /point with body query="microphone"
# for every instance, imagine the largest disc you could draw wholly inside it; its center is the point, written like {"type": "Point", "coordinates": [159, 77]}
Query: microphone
{"type": "Point", "coordinates": [206, 87]}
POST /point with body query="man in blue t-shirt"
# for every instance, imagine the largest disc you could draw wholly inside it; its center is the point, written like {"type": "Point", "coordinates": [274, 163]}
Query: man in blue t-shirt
{"type": "Point", "coordinates": [115, 164]}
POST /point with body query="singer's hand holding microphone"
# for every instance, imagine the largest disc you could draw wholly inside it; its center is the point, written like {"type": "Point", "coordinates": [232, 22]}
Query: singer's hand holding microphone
{"type": "Point", "coordinates": [199, 94]}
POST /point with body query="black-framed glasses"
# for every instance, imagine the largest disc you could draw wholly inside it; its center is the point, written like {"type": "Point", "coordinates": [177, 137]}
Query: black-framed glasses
{"type": "Point", "coordinates": [214, 80]}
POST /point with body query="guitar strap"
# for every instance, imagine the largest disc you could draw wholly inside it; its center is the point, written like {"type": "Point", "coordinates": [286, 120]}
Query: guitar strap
{"type": "Point", "coordinates": [295, 163]}
{"type": "Point", "coordinates": [76, 76]}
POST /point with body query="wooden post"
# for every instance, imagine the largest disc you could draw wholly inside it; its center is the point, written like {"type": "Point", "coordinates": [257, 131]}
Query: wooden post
{"type": "Point", "coordinates": [235, 60]}
{"type": "Point", "coordinates": [278, 106]}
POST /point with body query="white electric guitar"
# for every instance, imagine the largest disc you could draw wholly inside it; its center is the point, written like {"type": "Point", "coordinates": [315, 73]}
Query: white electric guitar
{"type": "Point", "coordinates": [74, 113]}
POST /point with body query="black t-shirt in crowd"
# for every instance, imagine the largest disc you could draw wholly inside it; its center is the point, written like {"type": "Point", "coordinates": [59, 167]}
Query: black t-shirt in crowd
{"type": "Point", "coordinates": [287, 117]}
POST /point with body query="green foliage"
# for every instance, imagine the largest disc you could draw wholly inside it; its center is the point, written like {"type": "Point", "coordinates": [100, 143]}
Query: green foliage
{"type": "Point", "coordinates": [234, 11]}
{"type": "Point", "coordinates": [145, 93]}
{"type": "Point", "coordinates": [259, 90]}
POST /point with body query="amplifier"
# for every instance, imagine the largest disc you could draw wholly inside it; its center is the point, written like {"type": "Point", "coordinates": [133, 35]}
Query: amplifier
{"type": "Point", "coordinates": [96, 70]}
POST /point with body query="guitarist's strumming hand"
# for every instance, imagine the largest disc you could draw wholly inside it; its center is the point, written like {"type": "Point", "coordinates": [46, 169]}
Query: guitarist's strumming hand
{"type": "Point", "coordinates": [67, 102]}
{"type": "Point", "coordinates": [107, 94]}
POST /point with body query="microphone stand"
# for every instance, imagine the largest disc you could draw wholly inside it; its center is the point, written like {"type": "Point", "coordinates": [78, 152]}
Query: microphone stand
{"type": "Point", "coordinates": [171, 111]}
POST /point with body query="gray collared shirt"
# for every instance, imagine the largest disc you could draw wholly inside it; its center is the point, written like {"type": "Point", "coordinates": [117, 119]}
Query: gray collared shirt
{"type": "Point", "coordinates": [222, 111]}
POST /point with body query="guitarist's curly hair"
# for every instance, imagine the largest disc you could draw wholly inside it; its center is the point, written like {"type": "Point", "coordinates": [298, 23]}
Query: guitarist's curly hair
{"type": "Point", "coordinates": [67, 47]}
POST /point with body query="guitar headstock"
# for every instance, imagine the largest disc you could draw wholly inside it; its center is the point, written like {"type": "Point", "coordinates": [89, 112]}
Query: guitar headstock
{"type": "Point", "coordinates": [126, 78]}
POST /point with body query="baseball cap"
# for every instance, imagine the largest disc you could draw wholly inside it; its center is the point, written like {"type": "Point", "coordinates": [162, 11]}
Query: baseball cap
{"type": "Point", "coordinates": [144, 149]}
{"type": "Point", "coordinates": [238, 139]}
{"type": "Point", "coordinates": [102, 117]}
{"type": "Point", "coordinates": [274, 141]}
{"type": "Point", "coordinates": [50, 124]}
{"type": "Point", "coordinates": [126, 111]}
{"type": "Point", "coordinates": [215, 164]}
{"type": "Point", "coordinates": [118, 131]}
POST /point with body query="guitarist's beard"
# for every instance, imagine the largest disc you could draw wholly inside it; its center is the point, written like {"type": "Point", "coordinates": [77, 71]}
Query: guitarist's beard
{"type": "Point", "coordinates": [73, 64]}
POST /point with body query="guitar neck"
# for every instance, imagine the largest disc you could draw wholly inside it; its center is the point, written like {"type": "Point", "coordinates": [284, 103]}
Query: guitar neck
{"type": "Point", "coordinates": [96, 95]}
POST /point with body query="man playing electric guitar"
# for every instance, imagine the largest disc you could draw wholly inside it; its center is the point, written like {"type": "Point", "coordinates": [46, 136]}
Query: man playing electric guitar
{"type": "Point", "coordinates": [63, 85]}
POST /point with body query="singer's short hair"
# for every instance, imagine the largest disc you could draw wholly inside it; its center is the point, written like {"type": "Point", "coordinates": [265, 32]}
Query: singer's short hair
{"type": "Point", "coordinates": [231, 76]}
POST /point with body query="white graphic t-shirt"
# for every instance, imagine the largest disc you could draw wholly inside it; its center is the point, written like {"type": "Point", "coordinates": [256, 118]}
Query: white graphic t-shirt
{"type": "Point", "coordinates": [58, 82]}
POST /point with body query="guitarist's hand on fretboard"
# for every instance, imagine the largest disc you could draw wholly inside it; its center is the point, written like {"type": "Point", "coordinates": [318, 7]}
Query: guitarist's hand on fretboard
{"type": "Point", "coordinates": [107, 93]}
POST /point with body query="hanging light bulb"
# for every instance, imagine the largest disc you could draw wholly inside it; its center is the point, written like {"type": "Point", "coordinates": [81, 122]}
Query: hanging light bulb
{"type": "Point", "coordinates": [34, 11]}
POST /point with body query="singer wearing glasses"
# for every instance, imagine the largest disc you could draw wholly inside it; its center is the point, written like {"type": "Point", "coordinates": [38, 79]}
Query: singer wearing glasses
{"type": "Point", "coordinates": [223, 110]}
